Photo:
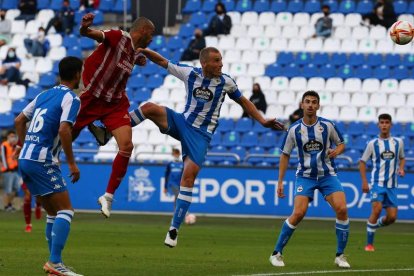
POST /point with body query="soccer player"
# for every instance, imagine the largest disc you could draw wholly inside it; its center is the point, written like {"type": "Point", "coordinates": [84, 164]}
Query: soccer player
{"type": "Point", "coordinates": [27, 208]}
{"type": "Point", "coordinates": [206, 89]}
{"type": "Point", "coordinates": [387, 155]}
{"type": "Point", "coordinates": [173, 174]}
{"type": "Point", "coordinates": [318, 142]}
{"type": "Point", "coordinates": [52, 114]}
{"type": "Point", "coordinates": [106, 72]}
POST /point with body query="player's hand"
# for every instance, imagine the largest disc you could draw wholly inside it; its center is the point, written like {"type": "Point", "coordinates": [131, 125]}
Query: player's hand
{"type": "Point", "coordinates": [142, 60]}
{"type": "Point", "coordinates": [332, 153]}
{"type": "Point", "coordinates": [74, 172]}
{"type": "Point", "coordinates": [16, 152]}
{"type": "Point", "coordinates": [280, 190]}
{"type": "Point", "coordinates": [273, 124]}
{"type": "Point", "coordinates": [401, 172]}
{"type": "Point", "coordinates": [87, 20]}
{"type": "Point", "coordinates": [365, 187]}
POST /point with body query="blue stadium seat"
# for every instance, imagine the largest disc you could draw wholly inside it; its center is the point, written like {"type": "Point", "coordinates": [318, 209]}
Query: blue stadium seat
{"type": "Point", "coordinates": [158, 42]}
{"type": "Point", "coordinates": [312, 6]}
{"type": "Point", "coordinates": [90, 150]}
{"type": "Point", "coordinates": [43, 4]}
{"type": "Point", "coordinates": [231, 139]}
{"type": "Point", "coordinates": [401, 72]}
{"type": "Point", "coordinates": [150, 68]}
{"type": "Point", "coordinates": [55, 68]}
{"type": "Point", "coordinates": [137, 81]}
{"type": "Point", "coordinates": [249, 139]}
{"type": "Point", "coordinates": [291, 71]}
{"type": "Point", "coordinates": [208, 5]}
{"type": "Point", "coordinates": [6, 120]}
{"type": "Point", "coordinates": [320, 58]}
{"type": "Point", "coordinates": [303, 58]}
{"type": "Point", "coordinates": [295, 6]}
{"type": "Point", "coordinates": [355, 128]}
{"type": "Point", "coordinates": [176, 56]}
{"type": "Point", "coordinates": [85, 137]}
{"type": "Point", "coordinates": [119, 6]}
{"type": "Point", "coordinates": [240, 151]}
{"type": "Point", "coordinates": [99, 18]}
{"type": "Point", "coordinates": [392, 60]}
{"type": "Point", "coordinates": [19, 105]}
{"type": "Point", "coordinates": [32, 91]}
{"type": "Point", "coordinates": [345, 72]}
{"type": "Point", "coordinates": [273, 70]}
{"type": "Point", "coordinates": [86, 43]}
{"type": "Point", "coordinates": [278, 6]}
{"type": "Point", "coordinates": [70, 41]}
{"type": "Point", "coordinates": [398, 129]}
{"type": "Point", "coordinates": [268, 139]}
{"type": "Point", "coordinates": [243, 125]}
{"type": "Point", "coordinates": [257, 159]}
{"type": "Point", "coordinates": [47, 80]}
{"type": "Point", "coordinates": [382, 72]}
{"type": "Point", "coordinates": [363, 72]}
{"type": "Point", "coordinates": [78, 16]}
{"type": "Point", "coordinates": [216, 139]}
{"type": "Point", "coordinates": [106, 5]}
{"type": "Point", "coordinates": [55, 5]}
{"type": "Point", "coordinates": [244, 5]}
{"type": "Point", "coordinates": [261, 6]}
{"type": "Point", "coordinates": [310, 71]}
{"type": "Point", "coordinates": [142, 95]}
{"type": "Point", "coordinates": [136, 70]}
{"type": "Point", "coordinates": [401, 6]}
{"type": "Point", "coordinates": [371, 129]}
{"type": "Point", "coordinates": [186, 30]}
{"type": "Point", "coordinates": [410, 9]}
{"type": "Point", "coordinates": [333, 4]}
{"type": "Point", "coordinates": [175, 42]}
{"type": "Point", "coordinates": [165, 52]}
{"type": "Point", "coordinates": [285, 58]}
{"type": "Point", "coordinates": [74, 4]}
{"type": "Point", "coordinates": [258, 128]}
{"type": "Point", "coordinates": [155, 81]}
{"type": "Point", "coordinates": [409, 60]}
{"type": "Point", "coordinates": [347, 6]}
{"type": "Point", "coordinates": [374, 60]}
{"type": "Point", "coordinates": [229, 4]}
{"type": "Point", "coordinates": [198, 18]}
{"type": "Point", "coordinates": [74, 51]}
{"type": "Point", "coordinates": [356, 59]}
{"type": "Point", "coordinates": [338, 59]}
{"type": "Point", "coordinates": [354, 154]}
{"type": "Point", "coordinates": [327, 71]}
{"type": "Point", "coordinates": [225, 125]}
{"type": "Point", "coordinates": [218, 158]}
{"type": "Point", "coordinates": [364, 6]}
{"type": "Point", "coordinates": [191, 6]}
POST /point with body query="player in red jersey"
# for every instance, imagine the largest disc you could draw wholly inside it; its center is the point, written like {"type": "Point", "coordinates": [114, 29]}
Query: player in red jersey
{"type": "Point", "coordinates": [105, 74]}
{"type": "Point", "coordinates": [27, 208]}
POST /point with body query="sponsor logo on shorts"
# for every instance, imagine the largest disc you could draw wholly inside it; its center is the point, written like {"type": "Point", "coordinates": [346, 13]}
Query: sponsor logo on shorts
{"type": "Point", "coordinates": [50, 171]}
{"type": "Point", "coordinates": [299, 189]}
{"type": "Point", "coordinates": [57, 186]}
{"type": "Point", "coordinates": [387, 155]}
{"type": "Point", "coordinates": [53, 179]}
{"type": "Point", "coordinates": [202, 94]}
{"type": "Point", "coordinates": [313, 146]}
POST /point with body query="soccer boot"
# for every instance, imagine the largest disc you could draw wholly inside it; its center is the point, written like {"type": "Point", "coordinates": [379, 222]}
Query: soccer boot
{"type": "Point", "coordinates": [59, 270]}
{"type": "Point", "coordinates": [342, 262]}
{"type": "Point", "coordinates": [101, 134]}
{"type": "Point", "coordinates": [277, 260]}
{"type": "Point", "coordinates": [171, 238]}
{"type": "Point", "coordinates": [106, 205]}
{"type": "Point", "coordinates": [28, 228]}
{"type": "Point", "coordinates": [369, 248]}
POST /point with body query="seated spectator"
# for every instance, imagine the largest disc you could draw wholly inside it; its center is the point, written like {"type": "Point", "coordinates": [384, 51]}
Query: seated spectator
{"type": "Point", "coordinates": [64, 20]}
{"type": "Point", "coordinates": [219, 23]}
{"type": "Point", "coordinates": [296, 115]}
{"type": "Point", "coordinates": [258, 99]}
{"type": "Point", "coordinates": [323, 26]}
{"type": "Point", "coordinates": [35, 46]}
{"type": "Point", "coordinates": [28, 10]}
{"type": "Point", "coordinates": [89, 5]}
{"type": "Point", "coordinates": [5, 28]}
{"type": "Point", "coordinates": [9, 68]}
{"type": "Point", "coordinates": [195, 46]}
{"type": "Point", "coordinates": [383, 14]}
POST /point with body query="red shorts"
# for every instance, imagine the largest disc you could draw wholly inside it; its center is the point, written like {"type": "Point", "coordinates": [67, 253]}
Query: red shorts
{"type": "Point", "coordinates": [112, 114]}
{"type": "Point", "coordinates": [24, 186]}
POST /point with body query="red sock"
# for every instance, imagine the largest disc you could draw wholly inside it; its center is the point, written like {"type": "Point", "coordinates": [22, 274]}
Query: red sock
{"type": "Point", "coordinates": [27, 210]}
{"type": "Point", "coordinates": [119, 168]}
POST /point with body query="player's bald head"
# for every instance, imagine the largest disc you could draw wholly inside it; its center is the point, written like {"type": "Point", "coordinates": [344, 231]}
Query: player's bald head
{"type": "Point", "coordinates": [142, 23]}
{"type": "Point", "coordinates": [205, 53]}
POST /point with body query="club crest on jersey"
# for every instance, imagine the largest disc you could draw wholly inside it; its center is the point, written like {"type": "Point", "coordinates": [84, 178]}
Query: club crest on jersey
{"type": "Point", "coordinates": [387, 155]}
{"type": "Point", "coordinates": [299, 189]}
{"type": "Point", "coordinates": [312, 146]}
{"type": "Point", "coordinates": [202, 94]}
{"type": "Point", "coordinates": [140, 188]}
{"type": "Point", "coordinates": [320, 129]}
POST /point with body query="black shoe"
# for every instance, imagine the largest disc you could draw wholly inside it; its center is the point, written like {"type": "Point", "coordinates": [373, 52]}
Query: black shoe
{"type": "Point", "coordinates": [101, 134]}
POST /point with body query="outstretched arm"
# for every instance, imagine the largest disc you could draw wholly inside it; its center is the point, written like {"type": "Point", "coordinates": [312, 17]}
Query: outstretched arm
{"type": "Point", "coordinates": [84, 30]}
{"type": "Point", "coordinates": [155, 57]}
{"type": "Point", "coordinates": [251, 109]}
{"type": "Point", "coordinates": [283, 165]}
{"type": "Point", "coordinates": [363, 173]}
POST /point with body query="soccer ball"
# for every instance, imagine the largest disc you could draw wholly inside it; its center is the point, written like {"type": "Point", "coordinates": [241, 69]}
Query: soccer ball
{"type": "Point", "coordinates": [402, 32]}
{"type": "Point", "coordinates": [190, 219]}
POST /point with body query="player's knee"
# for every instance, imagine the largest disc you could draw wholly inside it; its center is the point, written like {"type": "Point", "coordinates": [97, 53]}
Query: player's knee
{"type": "Point", "coordinates": [297, 216]}
{"type": "Point", "coordinates": [150, 109]}
{"type": "Point", "coordinates": [391, 219]}
{"type": "Point", "coordinates": [341, 211]}
{"type": "Point", "coordinates": [126, 147]}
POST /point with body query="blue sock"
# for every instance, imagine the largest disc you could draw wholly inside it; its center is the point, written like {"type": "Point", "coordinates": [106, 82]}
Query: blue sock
{"type": "Point", "coordinates": [182, 205]}
{"type": "Point", "coordinates": [60, 233]}
{"type": "Point", "coordinates": [49, 224]}
{"type": "Point", "coordinates": [380, 222]}
{"type": "Point", "coordinates": [342, 233]}
{"type": "Point", "coordinates": [136, 117]}
{"type": "Point", "coordinates": [371, 228]}
{"type": "Point", "coordinates": [284, 236]}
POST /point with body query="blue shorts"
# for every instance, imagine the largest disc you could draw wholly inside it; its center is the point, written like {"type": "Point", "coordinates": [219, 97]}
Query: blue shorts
{"type": "Point", "coordinates": [194, 143]}
{"type": "Point", "coordinates": [11, 182]}
{"type": "Point", "coordinates": [41, 178]}
{"type": "Point", "coordinates": [387, 196]}
{"type": "Point", "coordinates": [326, 185]}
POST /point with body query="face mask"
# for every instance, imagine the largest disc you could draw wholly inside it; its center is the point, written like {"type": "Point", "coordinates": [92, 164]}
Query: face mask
{"type": "Point", "coordinates": [326, 13]}
{"type": "Point", "coordinates": [11, 54]}
{"type": "Point", "coordinates": [198, 35]}
{"type": "Point", "coordinates": [219, 12]}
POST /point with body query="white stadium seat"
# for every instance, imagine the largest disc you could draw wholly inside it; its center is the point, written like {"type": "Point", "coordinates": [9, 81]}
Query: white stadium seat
{"type": "Point", "coordinates": [139, 136]}
{"type": "Point", "coordinates": [4, 92]}
{"type": "Point", "coordinates": [371, 85]}
{"type": "Point", "coordinates": [378, 32]}
{"type": "Point", "coordinates": [235, 111]}
{"type": "Point", "coordinates": [286, 97]}
{"type": "Point", "coordinates": [367, 114]}
{"type": "Point", "coordinates": [352, 85]}
{"type": "Point", "coordinates": [272, 31]}
{"type": "Point", "coordinates": [155, 137]}
{"type": "Point", "coordinates": [316, 83]}
{"type": "Point", "coordinates": [250, 56]}
{"type": "Point", "coordinates": [12, 14]}
{"type": "Point", "coordinates": [211, 41]}
{"type": "Point", "coordinates": [306, 32]}
{"type": "Point", "coordinates": [315, 18]}
{"type": "Point", "coordinates": [280, 83]}
{"type": "Point", "coordinates": [349, 46]}
{"type": "Point", "coordinates": [360, 32]}
{"type": "Point", "coordinates": [279, 44]}
{"type": "Point", "coordinates": [378, 99]}
{"type": "Point", "coordinates": [348, 113]}
{"type": "Point", "coordinates": [301, 19]}
{"type": "Point", "coordinates": [256, 70]}
{"type": "Point", "coordinates": [342, 32]}
{"type": "Point", "coordinates": [244, 43]}
{"type": "Point", "coordinates": [267, 57]}
{"type": "Point", "coordinates": [289, 109]}
{"type": "Point", "coordinates": [298, 84]}
{"type": "Point", "coordinates": [290, 31]}
{"type": "Point", "coordinates": [178, 95]}
{"type": "Point", "coordinates": [274, 111]}
{"type": "Point", "coordinates": [57, 53]}
{"type": "Point", "coordinates": [386, 109]}
{"type": "Point", "coordinates": [160, 94]}
{"type": "Point", "coordinates": [226, 43]}
{"type": "Point", "coordinates": [389, 86]}
{"type": "Point", "coordinates": [55, 40]}
{"type": "Point", "coordinates": [5, 105]}
{"type": "Point", "coordinates": [249, 18]}
{"type": "Point", "coordinates": [314, 45]}
{"type": "Point", "coordinates": [232, 56]}
{"type": "Point", "coordinates": [171, 81]}
{"type": "Point", "coordinates": [384, 46]}
{"type": "Point", "coordinates": [396, 100]}
{"type": "Point", "coordinates": [296, 45]}
{"type": "Point", "coordinates": [284, 18]}
{"type": "Point", "coordinates": [245, 83]}
{"type": "Point", "coordinates": [263, 81]}
{"type": "Point", "coordinates": [235, 17]}
{"type": "Point", "coordinates": [238, 69]}
{"type": "Point", "coordinates": [255, 31]}
{"type": "Point", "coordinates": [338, 19]}
{"type": "Point", "coordinates": [330, 112]}
{"type": "Point", "coordinates": [341, 99]}
{"type": "Point", "coordinates": [405, 115]}
{"type": "Point", "coordinates": [334, 84]}
{"type": "Point", "coordinates": [267, 18]}
{"type": "Point", "coordinates": [44, 65]}
{"type": "Point", "coordinates": [359, 99]}
{"type": "Point", "coordinates": [406, 86]}
{"type": "Point", "coordinates": [238, 30]}
{"type": "Point", "coordinates": [44, 16]}
{"type": "Point", "coordinates": [325, 98]}
{"type": "Point", "coordinates": [17, 91]}
{"type": "Point", "coordinates": [18, 26]}
{"type": "Point", "coordinates": [367, 46]}
{"type": "Point", "coordinates": [261, 44]}
{"type": "Point", "coordinates": [331, 45]}
{"type": "Point", "coordinates": [32, 27]}
{"type": "Point", "coordinates": [353, 19]}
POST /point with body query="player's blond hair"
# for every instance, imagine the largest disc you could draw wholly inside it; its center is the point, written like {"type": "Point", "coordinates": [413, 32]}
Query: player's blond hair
{"type": "Point", "coordinates": [205, 53]}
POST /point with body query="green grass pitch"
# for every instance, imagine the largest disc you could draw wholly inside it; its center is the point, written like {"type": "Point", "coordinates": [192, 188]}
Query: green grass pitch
{"type": "Point", "coordinates": [133, 245]}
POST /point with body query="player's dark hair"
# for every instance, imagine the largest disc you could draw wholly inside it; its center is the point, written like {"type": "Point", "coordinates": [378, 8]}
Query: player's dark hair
{"type": "Point", "coordinates": [141, 22]}
{"type": "Point", "coordinates": [222, 7]}
{"type": "Point", "coordinates": [69, 67]}
{"type": "Point", "coordinates": [310, 93]}
{"type": "Point", "coordinates": [205, 53]}
{"type": "Point", "coordinates": [11, 131]}
{"type": "Point", "coordinates": [385, 116]}
{"type": "Point", "coordinates": [176, 151]}
{"type": "Point", "coordinates": [326, 7]}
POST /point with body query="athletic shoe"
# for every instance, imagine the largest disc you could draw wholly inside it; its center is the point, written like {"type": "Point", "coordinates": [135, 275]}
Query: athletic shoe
{"type": "Point", "coordinates": [59, 270]}
{"type": "Point", "coordinates": [341, 261]}
{"type": "Point", "coordinates": [28, 228]}
{"type": "Point", "coordinates": [369, 248]}
{"type": "Point", "coordinates": [101, 134]}
{"type": "Point", "coordinates": [38, 212]}
{"type": "Point", "coordinates": [277, 260]}
{"type": "Point", "coordinates": [106, 205]}
{"type": "Point", "coordinates": [171, 238]}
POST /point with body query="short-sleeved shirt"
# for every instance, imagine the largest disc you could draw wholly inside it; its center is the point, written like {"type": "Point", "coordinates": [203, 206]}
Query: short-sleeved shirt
{"type": "Point", "coordinates": [204, 96]}
{"type": "Point", "coordinates": [107, 69]}
{"type": "Point", "coordinates": [385, 154]}
{"type": "Point", "coordinates": [173, 173]}
{"type": "Point", "coordinates": [312, 143]}
{"type": "Point", "coordinates": [46, 112]}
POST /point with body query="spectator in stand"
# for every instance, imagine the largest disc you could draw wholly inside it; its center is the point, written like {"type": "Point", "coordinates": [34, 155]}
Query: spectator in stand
{"type": "Point", "coordinates": [35, 45]}
{"type": "Point", "coordinates": [195, 46]}
{"type": "Point", "coordinates": [89, 5]}
{"type": "Point", "coordinates": [323, 26]}
{"type": "Point", "coordinates": [296, 115]}
{"type": "Point", "coordinates": [9, 68]}
{"type": "Point", "coordinates": [258, 99]}
{"type": "Point", "coordinates": [64, 20]}
{"type": "Point", "coordinates": [220, 23]}
{"type": "Point", "coordinates": [383, 14]}
{"type": "Point", "coordinates": [28, 10]}
{"type": "Point", "coordinates": [5, 28]}
{"type": "Point", "coordinates": [8, 165]}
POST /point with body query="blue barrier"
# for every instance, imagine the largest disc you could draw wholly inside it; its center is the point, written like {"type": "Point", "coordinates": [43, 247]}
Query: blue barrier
{"type": "Point", "coordinates": [230, 191]}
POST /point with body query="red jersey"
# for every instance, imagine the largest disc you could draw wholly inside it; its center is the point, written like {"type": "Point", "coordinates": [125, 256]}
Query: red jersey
{"type": "Point", "coordinates": [107, 69]}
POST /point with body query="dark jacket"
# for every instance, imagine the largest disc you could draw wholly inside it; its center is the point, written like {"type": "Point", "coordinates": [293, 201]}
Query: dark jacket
{"type": "Point", "coordinates": [259, 101]}
{"type": "Point", "coordinates": [218, 26]}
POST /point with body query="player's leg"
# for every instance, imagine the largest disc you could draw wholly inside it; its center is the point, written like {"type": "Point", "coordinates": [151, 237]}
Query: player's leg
{"type": "Point", "coordinates": [8, 191]}
{"type": "Point", "coordinates": [38, 209]}
{"type": "Point", "coordinates": [372, 224]}
{"type": "Point", "coordinates": [27, 208]}
{"type": "Point", "coordinates": [152, 111]}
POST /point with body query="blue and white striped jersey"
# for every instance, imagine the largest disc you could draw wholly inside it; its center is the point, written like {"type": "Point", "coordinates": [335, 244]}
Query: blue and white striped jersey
{"type": "Point", "coordinates": [313, 143]}
{"type": "Point", "coordinates": [46, 112]}
{"type": "Point", "coordinates": [204, 96]}
{"type": "Point", "coordinates": [385, 154]}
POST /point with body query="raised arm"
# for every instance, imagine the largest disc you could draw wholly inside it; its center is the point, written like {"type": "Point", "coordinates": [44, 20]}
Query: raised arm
{"type": "Point", "coordinates": [84, 30]}
{"type": "Point", "coordinates": [155, 57]}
